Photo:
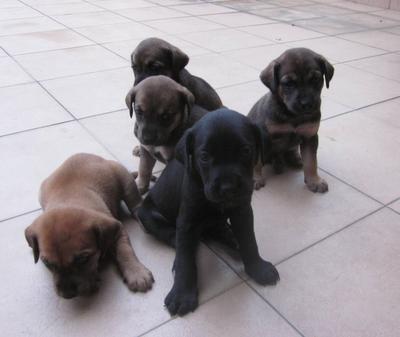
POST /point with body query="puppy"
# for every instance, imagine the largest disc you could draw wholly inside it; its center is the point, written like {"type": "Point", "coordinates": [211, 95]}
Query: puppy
{"type": "Point", "coordinates": [164, 110]}
{"type": "Point", "coordinates": [209, 182]}
{"type": "Point", "coordinates": [154, 56]}
{"type": "Point", "coordinates": [78, 226]}
{"type": "Point", "coordinates": [290, 114]}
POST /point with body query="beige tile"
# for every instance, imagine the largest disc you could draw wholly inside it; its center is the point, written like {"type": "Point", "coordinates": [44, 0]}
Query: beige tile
{"type": "Point", "coordinates": [184, 25]}
{"type": "Point", "coordinates": [391, 14]}
{"type": "Point", "coordinates": [345, 285]}
{"type": "Point", "coordinates": [284, 14]}
{"type": "Point", "coordinates": [42, 41]}
{"type": "Point", "coordinates": [219, 71]}
{"type": "Point", "coordinates": [330, 107]}
{"type": "Point", "coordinates": [354, 6]}
{"type": "Point", "coordinates": [114, 310]}
{"type": "Point", "coordinates": [2, 53]}
{"type": "Point", "coordinates": [224, 40]}
{"type": "Point", "coordinates": [247, 5]}
{"type": "Point", "coordinates": [84, 95]}
{"type": "Point", "coordinates": [117, 32]}
{"type": "Point", "coordinates": [394, 30]}
{"type": "Point", "coordinates": [29, 25]}
{"type": "Point", "coordinates": [48, 2]}
{"type": "Point", "coordinates": [90, 19]}
{"type": "Point", "coordinates": [370, 21]}
{"type": "Point", "coordinates": [237, 19]}
{"type": "Point", "coordinates": [68, 62]}
{"type": "Point", "coordinates": [28, 106]}
{"type": "Point", "coordinates": [356, 88]}
{"type": "Point", "coordinates": [31, 157]}
{"type": "Point", "coordinates": [291, 3]}
{"type": "Point", "coordinates": [338, 50]}
{"type": "Point", "coordinates": [376, 38]}
{"type": "Point", "coordinates": [395, 206]}
{"type": "Point", "coordinates": [370, 165]}
{"type": "Point", "coordinates": [11, 4]}
{"type": "Point", "coordinates": [326, 10]}
{"type": "Point", "coordinates": [68, 8]}
{"type": "Point", "coordinates": [18, 13]}
{"type": "Point", "coordinates": [244, 314]}
{"type": "Point", "coordinates": [121, 4]}
{"type": "Point", "coordinates": [11, 73]}
{"type": "Point", "coordinates": [330, 25]}
{"type": "Point", "coordinates": [386, 65]}
{"type": "Point", "coordinates": [203, 9]}
{"type": "Point", "coordinates": [151, 13]}
{"type": "Point", "coordinates": [281, 32]}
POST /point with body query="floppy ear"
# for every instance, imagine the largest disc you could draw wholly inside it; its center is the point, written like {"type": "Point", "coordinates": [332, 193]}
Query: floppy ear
{"type": "Point", "coordinates": [31, 237]}
{"type": "Point", "coordinates": [261, 142]}
{"type": "Point", "coordinates": [189, 101]}
{"type": "Point", "coordinates": [270, 76]}
{"type": "Point", "coordinates": [179, 58]}
{"type": "Point", "coordinates": [106, 231]}
{"type": "Point", "coordinates": [326, 68]}
{"type": "Point", "coordinates": [130, 99]}
{"type": "Point", "coordinates": [184, 148]}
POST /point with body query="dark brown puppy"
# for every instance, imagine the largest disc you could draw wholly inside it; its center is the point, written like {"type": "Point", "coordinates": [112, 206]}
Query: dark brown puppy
{"type": "Point", "coordinates": [154, 56]}
{"type": "Point", "coordinates": [290, 113]}
{"type": "Point", "coordinates": [78, 227]}
{"type": "Point", "coordinates": [164, 110]}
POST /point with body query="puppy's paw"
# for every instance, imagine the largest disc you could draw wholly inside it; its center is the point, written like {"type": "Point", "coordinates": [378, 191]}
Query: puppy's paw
{"type": "Point", "coordinates": [259, 182]}
{"type": "Point", "coordinates": [263, 272]}
{"type": "Point", "coordinates": [136, 151]}
{"type": "Point", "coordinates": [139, 279]}
{"type": "Point", "coordinates": [317, 185]}
{"type": "Point", "coordinates": [180, 302]}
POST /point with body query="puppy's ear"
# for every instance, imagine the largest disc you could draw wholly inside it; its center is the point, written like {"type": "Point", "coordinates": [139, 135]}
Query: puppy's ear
{"type": "Point", "coordinates": [31, 235]}
{"type": "Point", "coordinates": [326, 68]}
{"type": "Point", "coordinates": [270, 76]}
{"type": "Point", "coordinates": [179, 58]}
{"type": "Point", "coordinates": [189, 101]}
{"type": "Point", "coordinates": [184, 149]}
{"type": "Point", "coordinates": [261, 142]}
{"type": "Point", "coordinates": [106, 231]}
{"type": "Point", "coordinates": [130, 99]}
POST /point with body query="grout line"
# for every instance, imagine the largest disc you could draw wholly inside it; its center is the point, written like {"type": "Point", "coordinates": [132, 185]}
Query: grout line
{"type": "Point", "coordinates": [19, 215]}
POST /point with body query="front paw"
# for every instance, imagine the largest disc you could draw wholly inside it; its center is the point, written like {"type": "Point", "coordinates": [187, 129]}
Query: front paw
{"type": "Point", "coordinates": [180, 301]}
{"type": "Point", "coordinates": [263, 272]}
{"type": "Point", "coordinates": [259, 182]}
{"type": "Point", "coordinates": [317, 185]}
{"type": "Point", "coordinates": [136, 151]}
{"type": "Point", "coordinates": [139, 279]}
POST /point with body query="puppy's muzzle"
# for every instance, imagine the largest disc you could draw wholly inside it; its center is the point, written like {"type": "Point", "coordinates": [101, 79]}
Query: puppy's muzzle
{"type": "Point", "coordinates": [149, 137]}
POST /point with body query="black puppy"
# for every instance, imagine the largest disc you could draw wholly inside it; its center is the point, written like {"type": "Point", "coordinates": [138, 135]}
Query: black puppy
{"type": "Point", "coordinates": [209, 182]}
{"type": "Point", "coordinates": [155, 56]}
{"type": "Point", "coordinates": [290, 113]}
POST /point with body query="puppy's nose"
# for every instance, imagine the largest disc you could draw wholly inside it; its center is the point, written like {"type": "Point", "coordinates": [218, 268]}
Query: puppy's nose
{"type": "Point", "coordinates": [306, 103]}
{"type": "Point", "coordinates": [149, 137]}
{"type": "Point", "coordinates": [69, 290]}
{"type": "Point", "coordinates": [227, 189]}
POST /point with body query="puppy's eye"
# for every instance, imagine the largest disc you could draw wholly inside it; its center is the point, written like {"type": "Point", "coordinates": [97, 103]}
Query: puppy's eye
{"type": "Point", "coordinates": [81, 260]}
{"type": "Point", "coordinates": [139, 113]}
{"type": "Point", "coordinates": [204, 157]}
{"type": "Point", "coordinates": [289, 84]}
{"type": "Point", "coordinates": [246, 152]}
{"type": "Point", "coordinates": [155, 67]}
{"type": "Point", "coordinates": [165, 117]}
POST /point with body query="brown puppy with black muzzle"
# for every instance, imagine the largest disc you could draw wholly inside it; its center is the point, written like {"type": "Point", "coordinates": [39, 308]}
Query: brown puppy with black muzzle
{"type": "Point", "coordinates": [79, 226]}
{"type": "Point", "coordinates": [290, 114]}
{"type": "Point", "coordinates": [154, 56]}
{"type": "Point", "coordinates": [164, 109]}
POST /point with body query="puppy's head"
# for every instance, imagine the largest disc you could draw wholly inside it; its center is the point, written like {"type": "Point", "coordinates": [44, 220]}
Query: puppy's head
{"type": "Point", "coordinates": [222, 149]}
{"type": "Point", "coordinates": [70, 243]}
{"type": "Point", "coordinates": [296, 78]}
{"type": "Point", "coordinates": [154, 56]}
{"type": "Point", "coordinates": [161, 105]}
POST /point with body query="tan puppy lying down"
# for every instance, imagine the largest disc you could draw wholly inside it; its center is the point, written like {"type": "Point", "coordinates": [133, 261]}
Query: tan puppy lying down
{"type": "Point", "coordinates": [79, 225]}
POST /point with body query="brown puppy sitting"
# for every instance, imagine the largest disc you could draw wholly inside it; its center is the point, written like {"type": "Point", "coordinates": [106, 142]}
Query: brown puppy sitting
{"type": "Point", "coordinates": [290, 113]}
{"type": "Point", "coordinates": [78, 227]}
{"type": "Point", "coordinates": [155, 56]}
{"type": "Point", "coordinates": [164, 110]}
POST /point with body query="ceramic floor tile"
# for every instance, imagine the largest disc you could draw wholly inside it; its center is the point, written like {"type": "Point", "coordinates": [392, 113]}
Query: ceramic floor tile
{"type": "Point", "coordinates": [48, 2]}
{"type": "Point", "coordinates": [31, 25]}
{"type": "Point", "coordinates": [68, 62]}
{"type": "Point", "coordinates": [184, 25]}
{"type": "Point", "coordinates": [42, 41]}
{"type": "Point", "coordinates": [151, 13]}
{"type": "Point", "coordinates": [330, 25]}
{"type": "Point", "coordinates": [354, 6]}
{"type": "Point", "coordinates": [244, 314]}
{"type": "Point", "coordinates": [363, 86]}
{"type": "Point", "coordinates": [369, 20]}
{"type": "Point", "coordinates": [31, 157]}
{"type": "Point", "coordinates": [336, 287]}
{"type": "Point", "coordinates": [394, 30]}
{"type": "Point", "coordinates": [395, 15]}
{"type": "Point", "coordinates": [284, 14]}
{"type": "Point", "coordinates": [2, 53]}
{"type": "Point", "coordinates": [237, 19]}
{"type": "Point", "coordinates": [68, 8]}
{"type": "Point", "coordinates": [84, 95]}
{"type": "Point", "coordinates": [281, 32]}
{"type": "Point", "coordinates": [11, 73]}
{"type": "Point", "coordinates": [291, 3]}
{"type": "Point", "coordinates": [117, 32]}
{"type": "Point", "coordinates": [44, 314]}
{"type": "Point", "coordinates": [89, 19]}
{"type": "Point", "coordinates": [247, 5]}
{"type": "Point", "coordinates": [121, 4]}
{"type": "Point", "coordinates": [224, 40]}
{"type": "Point", "coordinates": [376, 38]}
{"type": "Point", "coordinates": [330, 107]}
{"type": "Point", "coordinates": [11, 4]}
{"type": "Point", "coordinates": [219, 71]}
{"type": "Point", "coordinates": [370, 165]}
{"type": "Point", "coordinates": [337, 49]}
{"type": "Point", "coordinates": [326, 10]}
{"type": "Point", "coordinates": [386, 65]}
{"type": "Point", "coordinates": [203, 9]}
{"type": "Point", "coordinates": [17, 13]}
{"type": "Point", "coordinates": [28, 106]}
{"type": "Point", "coordinates": [395, 206]}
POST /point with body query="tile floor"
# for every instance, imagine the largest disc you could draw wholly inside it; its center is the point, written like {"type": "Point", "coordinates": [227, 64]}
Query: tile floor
{"type": "Point", "coordinates": [64, 68]}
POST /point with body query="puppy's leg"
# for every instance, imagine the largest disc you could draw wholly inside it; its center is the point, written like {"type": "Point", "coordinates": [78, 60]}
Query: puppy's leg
{"type": "Point", "coordinates": [156, 224]}
{"type": "Point", "coordinates": [308, 149]}
{"type": "Point", "coordinates": [130, 192]}
{"type": "Point", "coordinates": [263, 272]}
{"type": "Point", "coordinates": [146, 165]}
{"type": "Point", "coordinates": [135, 274]}
{"type": "Point", "coordinates": [259, 175]}
{"type": "Point", "coordinates": [292, 158]}
{"type": "Point", "coordinates": [183, 297]}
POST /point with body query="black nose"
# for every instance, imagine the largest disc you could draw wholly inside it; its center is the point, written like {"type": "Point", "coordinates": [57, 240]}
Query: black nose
{"type": "Point", "coordinates": [227, 189]}
{"type": "Point", "coordinates": [149, 137]}
{"type": "Point", "coordinates": [306, 103]}
{"type": "Point", "coordinates": [68, 290]}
